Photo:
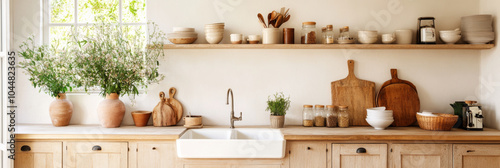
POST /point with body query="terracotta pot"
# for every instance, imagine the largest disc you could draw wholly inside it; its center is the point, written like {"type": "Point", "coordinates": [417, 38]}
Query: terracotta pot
{"type": "Point", "coordinates": [277, 121]}
{"type": "Point", "coordinates": [111, 111]}
{"type": "Point", "coordinates": [141, 118]}
{"type": "Point", "coordinates": [60, 111]}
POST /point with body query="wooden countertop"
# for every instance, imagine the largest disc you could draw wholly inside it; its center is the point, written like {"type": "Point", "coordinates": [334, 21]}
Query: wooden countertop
{"type": "Point", "coordinates": [96, 132]}
{"type": "Point", "coordinates": [389, 134]}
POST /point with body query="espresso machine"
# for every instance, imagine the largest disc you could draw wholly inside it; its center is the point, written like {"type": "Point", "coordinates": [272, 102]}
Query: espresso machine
{"type": "Point", "coordinates": [472, 116]}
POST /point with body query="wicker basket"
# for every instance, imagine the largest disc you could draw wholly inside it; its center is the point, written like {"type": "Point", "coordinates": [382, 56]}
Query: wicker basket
{"type": "Point", "coordinates": [441, 122]}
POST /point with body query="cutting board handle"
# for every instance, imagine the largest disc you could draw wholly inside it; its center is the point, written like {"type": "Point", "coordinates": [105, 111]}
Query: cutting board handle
{"type": "Point", "coordinates": [350, 65]}
{"type": "Point", "coordinates": [394, 73]}
{"type": "Point", "coordinates": [162, 95]}
{"type": "Point", "coordinates": [171, 92]}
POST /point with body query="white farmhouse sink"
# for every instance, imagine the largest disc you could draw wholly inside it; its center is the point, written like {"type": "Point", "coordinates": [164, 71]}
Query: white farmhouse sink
{"type": "Point", "coordinates": [231, 143]}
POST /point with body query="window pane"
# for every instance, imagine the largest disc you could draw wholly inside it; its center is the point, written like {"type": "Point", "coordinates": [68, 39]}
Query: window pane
{"type": "Point", "coordinates": [62, 11]}
{"type": "Point", "coordinates": [59, 36]}
{"type": "Point", "coordinates": [97, 11]}
{"type": "Point", "coordinates": [133, 11]}
{"type": "Point", "coordinates": [135, 33]}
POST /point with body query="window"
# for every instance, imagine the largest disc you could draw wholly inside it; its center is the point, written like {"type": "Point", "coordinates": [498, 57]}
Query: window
{"type": "Point", "coordinates": [60, 16]}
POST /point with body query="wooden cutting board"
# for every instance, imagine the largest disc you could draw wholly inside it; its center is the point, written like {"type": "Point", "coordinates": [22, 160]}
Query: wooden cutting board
{"type": "Point", "coordinates": [174, 103]}
{"type": "Point", "coordinates": [163, 114]}
{"type": "Point", "coordinates": [355, 93]}
{"type": "Point", "coordinates": [400, 96]}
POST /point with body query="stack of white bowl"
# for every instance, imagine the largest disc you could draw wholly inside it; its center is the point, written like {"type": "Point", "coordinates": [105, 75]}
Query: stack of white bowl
{"type": "Point", "coordinates": [478, 29]}
{"type": "Point", "coordinates": [367, 37]}
{"type": "Point", "coordinates": [182, 35]}
{"type": "Point", "coordinates": [379, 118]}
{"type": "Point", "coordinates": [214, 32]}
{"type": "Point", "coordinates": [450, 36]}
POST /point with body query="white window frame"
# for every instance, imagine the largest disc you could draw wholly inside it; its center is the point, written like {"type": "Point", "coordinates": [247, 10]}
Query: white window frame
{"type": "Point", "coordinates": [45, 29]}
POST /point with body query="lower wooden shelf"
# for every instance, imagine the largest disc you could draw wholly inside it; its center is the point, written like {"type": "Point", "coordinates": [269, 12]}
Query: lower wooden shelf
{"type": "Point", "coordinates": [329, 46]}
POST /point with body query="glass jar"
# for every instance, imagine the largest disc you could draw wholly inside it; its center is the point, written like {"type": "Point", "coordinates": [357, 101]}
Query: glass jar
{"type": "Point", "coordinates": [331, 116]}
{"type": "Point", "coordinates": [343, 119]}
{"type": "Point", "coordinates": [308, 116]}
{"type": "Point", "coordinates": [344, 33]}
{"type": "Point", "coordinates": [319, 116]}
{"type": "Point", "coordinates": [308, 34]}
{"type": "Point", "coordinates": [328, 35]}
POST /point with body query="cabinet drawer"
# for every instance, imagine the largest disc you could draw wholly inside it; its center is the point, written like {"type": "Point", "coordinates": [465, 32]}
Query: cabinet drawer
{"type": "Point", "coordinates": [95, 154]}
{"type": "Point", "coordinates": [359, 155]}
{"type": "Point", "coordinates": [477, 155]}
{"type": "Point", "coordinates": [38, 154]}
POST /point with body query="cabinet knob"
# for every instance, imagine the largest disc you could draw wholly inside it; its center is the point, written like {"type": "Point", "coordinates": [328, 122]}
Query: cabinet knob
{"type": "Point", "coordinates": [469, 151]}
{"type": "Point", "coordinates": [154, 148]}
{"type": "Point", "coordinates": [308, 148]}
{"type": "Point", "coordinates": [361, 150]}
{"type": "Point", "coordinates": [25, 148]}
{"type": "Point", "coordinates": [96, 148]}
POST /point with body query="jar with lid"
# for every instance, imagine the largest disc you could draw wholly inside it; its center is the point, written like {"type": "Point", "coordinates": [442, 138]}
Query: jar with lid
{"type": "Point", "coordinates": [343, 117]}
{"type": "Point", "coordinates": [308, 116]}
{"type": "Point", "coordinates": [328, 35]}
{"type": "Point", "coordinates": [319, 115]}
{"type": "Point", "coordinates": [344, 33]}
{"type": "Point", "coordinates": [308, 34]}
{"type": "Point", "coordinates": [331, 116]}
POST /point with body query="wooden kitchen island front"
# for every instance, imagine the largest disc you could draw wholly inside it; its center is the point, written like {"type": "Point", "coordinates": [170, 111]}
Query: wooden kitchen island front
{"type": "Point", "coordinates": [306, 147]}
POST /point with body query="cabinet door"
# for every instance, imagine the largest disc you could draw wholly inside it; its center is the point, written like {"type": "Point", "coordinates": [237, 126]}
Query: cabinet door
{"type": "Point", "coordinates": [473, 156]}
{"type": "Point", "coordinates": [359, 155]}
{"type": "Point", "coordinates": [421, 155]}
{"type": "Point", "coordinates": [307, 154]}
{"type": "Point", "coordinates": [38, 154]}
{"type": "Point", "coordinates": [95, 154]}
{"type": "Point", "coordinates": [153, 154]}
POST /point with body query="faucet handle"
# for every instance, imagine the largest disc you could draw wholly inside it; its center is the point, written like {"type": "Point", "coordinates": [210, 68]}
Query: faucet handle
{"type": "Point", "coordinates": [241, 115]}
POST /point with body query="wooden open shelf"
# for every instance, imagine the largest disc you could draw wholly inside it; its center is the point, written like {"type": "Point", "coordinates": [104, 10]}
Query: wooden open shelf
{"type": "Point", "coordinates": [329, 46]}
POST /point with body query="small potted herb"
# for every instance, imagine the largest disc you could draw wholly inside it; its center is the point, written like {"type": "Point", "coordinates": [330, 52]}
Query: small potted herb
{"type": "Point", "coordinates": [278, 107]}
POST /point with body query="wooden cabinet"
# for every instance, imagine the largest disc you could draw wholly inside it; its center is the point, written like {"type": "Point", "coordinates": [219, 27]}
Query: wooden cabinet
{"type": "Point", "coordinates": [95, 154]}
{"type": "Point", "coordinates": [421, 155]}
{"type": "Point", "coordinates": [232, 166]}
{"type": "Point", "coordinates": [155, 154]}
{"type": "Point", "coordinates": [231, 163]}
{"type": "Point", "coordinates": [359, 155]}
{"type": "Point", "coordinates": [476, 155]}
{"type": "Point", "coordinates": [307, 154]}
{"type": "Point", "coordinates": [38, 154]}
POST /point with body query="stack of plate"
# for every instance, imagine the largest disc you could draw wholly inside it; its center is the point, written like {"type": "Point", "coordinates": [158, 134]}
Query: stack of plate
{"type": "Point", "coordinates": [182, 35]}
{"type": "Point", "coordinates": [379, 118]}
{"type": "Point", "coordinates": [477, 29]}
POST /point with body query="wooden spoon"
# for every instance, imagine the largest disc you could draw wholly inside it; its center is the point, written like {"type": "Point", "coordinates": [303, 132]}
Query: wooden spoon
{"type": "Point", "coordinates": [286, 13]}
{"type": "Point", "coordinates": [286, 18]}
{"type": "Point", "coordinates": [279, 21]}
{"type": "Point", "coordinates": [274, 15]}
{"type": "Point", "coordinates": [261, 19]}
{"type": "Point", "coordinates": [269, 17]}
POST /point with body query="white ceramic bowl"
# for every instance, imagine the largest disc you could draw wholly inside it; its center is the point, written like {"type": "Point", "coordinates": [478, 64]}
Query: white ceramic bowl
{"type": "Point", "coordinates": [214, 31]}
{"type": "Point", "coordinates": [213, 39]}
{"type": "Point", "coordinates": [379, 124]}
{"type": "Point", "coordinates": [180, 35]}
{"type": "Point", "coordinates": [214, 34]}
{"type": "Point", "coordinates": [183, 29]}
{"type": "Point", "coordinates": [450, 39]}
{"type": "Point", "coordinates": [215, 26]}
{"type": "Point", "coordinates": [367, 40]}
{"type": "Point", "coordinates": [369, 33]}
{"type": "Point", "coordinates": [377, 108]}
{"type": "Point", "coordinates": [450, 32]}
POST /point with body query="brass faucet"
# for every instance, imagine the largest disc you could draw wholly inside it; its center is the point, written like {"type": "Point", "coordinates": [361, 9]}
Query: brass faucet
{"type": "Point", "coordinates": [232, 117]}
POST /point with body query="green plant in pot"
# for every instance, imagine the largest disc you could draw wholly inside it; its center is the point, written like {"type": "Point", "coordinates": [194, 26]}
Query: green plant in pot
{"type": "Point", "coordinates": [52, 72]}
{"type": "Point", "coordinates": [118, 64]}
{"type": "Point", "coordinates": [278, 105]}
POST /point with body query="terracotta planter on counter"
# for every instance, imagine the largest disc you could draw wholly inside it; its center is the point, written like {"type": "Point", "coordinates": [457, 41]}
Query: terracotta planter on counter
{"type": "Point", "coordinates": [277, 121]}
{"type": "Point", "coordinates": [141, 118]}
{"type": "Point", "coordinates": [111, 111]}
{"type": "Point", "coordinates": [60, 111]}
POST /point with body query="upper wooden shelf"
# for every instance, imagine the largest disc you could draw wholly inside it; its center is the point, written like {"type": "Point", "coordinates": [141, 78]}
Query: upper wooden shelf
{"type": "Point", "coordinates": [329, 46]}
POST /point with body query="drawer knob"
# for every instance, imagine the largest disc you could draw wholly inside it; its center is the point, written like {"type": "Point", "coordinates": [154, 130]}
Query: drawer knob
{"type": "Point", "coordinates": [154, 148]}
{"type": "Point", "coordinates": [96, 148]}
{"type": "Point", "coordinates": [361, 150]}
{"type": "Point", "coordinates": [308, 148]}
{"type": "Point", "coordinates": [25, 148]}
{"type": "Point", "coordinates": [469, 151]}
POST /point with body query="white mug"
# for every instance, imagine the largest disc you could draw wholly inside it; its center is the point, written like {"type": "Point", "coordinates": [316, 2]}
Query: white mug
{"type": "Point", "coordinates": [404, 36]}
{"type": "Point", "coordinates": [388, 38]}
{"type": "Point", "coordinates": [253, 39]}
{"type": "Point", "coordinates": [236, 38]}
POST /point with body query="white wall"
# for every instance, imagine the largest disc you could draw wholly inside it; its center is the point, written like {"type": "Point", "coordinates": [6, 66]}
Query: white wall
{"type": "Point", "coordinates": [489, 76]}
{"type": "Point", "coordinates": [202, 77]}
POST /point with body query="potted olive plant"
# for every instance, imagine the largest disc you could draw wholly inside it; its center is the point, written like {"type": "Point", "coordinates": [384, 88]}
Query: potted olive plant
{"type": "Point", "coordinates": [118, 64]}
{"type": "Point", "coordinates": [50, 70]}
{"type": "Point", "coordinates": [278, 107]}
